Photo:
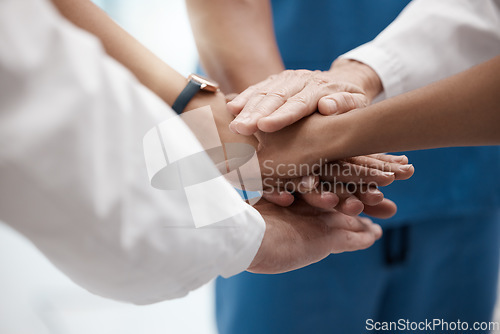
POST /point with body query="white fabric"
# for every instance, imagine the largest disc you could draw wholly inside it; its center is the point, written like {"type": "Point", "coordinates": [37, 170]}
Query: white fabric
{"type": "Point", "coordinates": [431, 40]}
{"type": "Point", "coordinates": [73, 177]}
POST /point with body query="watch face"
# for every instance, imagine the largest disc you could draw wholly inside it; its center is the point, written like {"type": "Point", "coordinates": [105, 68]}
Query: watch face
{"type": "Point", "coordinates": [206, 84]}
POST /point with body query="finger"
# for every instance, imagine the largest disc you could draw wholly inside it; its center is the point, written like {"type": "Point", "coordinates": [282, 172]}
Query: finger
{"type": "Point", "coordinates": [383, 210]}
{"type": "Point", "coordinates": [296, 107]}
{"type": "Point", "coordinates": [325, 200]}
{"type": "Point", "coordinates": [351, 206]}
{"type": "Point", "coordinates": [350, 173]}
{"type": "Point", "coordinates": [281, 198]}
{"type": "Point", "coordinates": [266, 99]}
{"type": "Point", "coordinates": [238, 102]}
{"type": "Point", "coordinates": [230, 97]}
{"type": "Point", "coordinates": [348, 204]}
{"type": "Point", "coordinates": [369, 195]}
{"type": "Point", "coordinates": [245, 123]}
{"type": "Point", "coordinates": [401, 172]}
{"type": "Point", "coordinates": [400, 159]}
{"type": "Point", "coordinates": [339, 103]}
{"type": "Point", "coordinates": [300, 184]}
{"type": "Point", "coordinates": [349, 241]}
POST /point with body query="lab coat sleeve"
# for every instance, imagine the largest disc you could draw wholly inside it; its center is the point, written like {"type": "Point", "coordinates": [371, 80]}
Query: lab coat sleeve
{"type": "Point", "coordinates": [72, 173]}
{"type": "Point", "coordinates": [431, 40]}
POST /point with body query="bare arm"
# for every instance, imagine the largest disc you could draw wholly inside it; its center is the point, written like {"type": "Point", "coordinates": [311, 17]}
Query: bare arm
{"type": "Point", "coordinates": [463, 110]}
{"type": "Point", "coordinates": [236, 42]}
{"type": "Point", "coordinates": [146, 66]}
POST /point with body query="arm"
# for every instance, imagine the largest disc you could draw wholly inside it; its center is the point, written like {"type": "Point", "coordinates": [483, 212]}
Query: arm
{"type": "Point", "coordinates": [432, 40]}
{"type": "Point", "coordinates": [151, 71]}
{"type": "Point", "coordinates": [72, 173]}
{"type": "Point", "coordinates": [463, 110]}
{"type": "Point", "coordinates": [235, 40]}
{"type": "Point", "coordinates": [74, 182]}
{"type": "Point", "coordinates": [429, 41]}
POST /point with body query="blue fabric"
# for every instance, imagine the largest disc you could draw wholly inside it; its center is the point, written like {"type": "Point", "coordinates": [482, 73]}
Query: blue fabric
{"type": "Point", "coordinates": [447, 181]}
{"type": "Point", "coordinates": [449, 206]}
{"type": "Point", "coordinates": [450, 273]}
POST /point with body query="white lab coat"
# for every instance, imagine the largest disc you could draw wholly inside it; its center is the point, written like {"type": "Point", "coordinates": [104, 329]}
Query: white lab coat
{"type": "Point", "coordinates": [431, 40]}
{"type": "Point", "coordinates": [72, 173]}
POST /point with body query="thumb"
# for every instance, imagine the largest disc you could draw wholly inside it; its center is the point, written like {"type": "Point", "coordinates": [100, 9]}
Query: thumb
{"type": "Point", "coordinates": [339, 103]}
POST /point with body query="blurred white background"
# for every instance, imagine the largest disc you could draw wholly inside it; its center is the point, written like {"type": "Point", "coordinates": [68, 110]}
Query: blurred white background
{"type": "Point", "coordinates": [35, 298]}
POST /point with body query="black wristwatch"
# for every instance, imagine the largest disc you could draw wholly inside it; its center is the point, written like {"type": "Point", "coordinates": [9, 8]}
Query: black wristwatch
{"type": "Point", "coordinates": [194, 85]}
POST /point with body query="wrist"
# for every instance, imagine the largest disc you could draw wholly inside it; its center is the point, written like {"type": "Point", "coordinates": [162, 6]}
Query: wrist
{"type": "Point", "coordinates": [222, 117]}
{"type": "Point", "coordinates": [328, 146]}
{"type": "Point", "coordinates": [359, 74]}
{"type": "Point", "coordinates": [341, 134]}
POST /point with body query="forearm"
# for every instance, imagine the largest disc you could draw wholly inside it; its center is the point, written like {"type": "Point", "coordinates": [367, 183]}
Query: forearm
{"type": "Point", "coordinates": [145, 65]}
{"type": "Point", "coordinates": [236, 41]}
{"type": "Point", "coordinates": [463, 110]}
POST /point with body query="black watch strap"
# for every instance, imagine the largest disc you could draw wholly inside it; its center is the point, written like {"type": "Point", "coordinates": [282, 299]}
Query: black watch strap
{"type": "Point", "coordinates": [186, 95]}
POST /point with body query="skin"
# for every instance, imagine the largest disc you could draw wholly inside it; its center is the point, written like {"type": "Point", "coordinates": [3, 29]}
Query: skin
{"type": "Point", "coordinates": [304, 234]}
{"type": "Point", "coordinates": [237, 48]}
{"type": "Point", "coordinates": [463, 110]}
{"type": "Point", "coordinates": [315, 233]}
{"type": "Point", "coordinates": [167, 84]}
{"type": "Point", "coordinates": [460, 111]}
{"type": "Point", "coordinates": [289, 96]}
{"type": "Point", "coordinates": [235, 40]}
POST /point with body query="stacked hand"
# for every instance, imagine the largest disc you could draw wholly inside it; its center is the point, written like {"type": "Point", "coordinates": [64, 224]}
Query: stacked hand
{"type": "Point", "coordinates": [309, 212]}
{"type": "Point", "coordinates": [285, 98]}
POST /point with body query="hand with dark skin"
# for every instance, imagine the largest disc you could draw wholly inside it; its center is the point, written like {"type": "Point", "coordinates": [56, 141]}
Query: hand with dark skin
{"type": "Point", "coordinates": [376, 171]}
{"type": "Point", "coordinates": [167, 84]}
{"type": "Point", "coordinates": [462, 110]}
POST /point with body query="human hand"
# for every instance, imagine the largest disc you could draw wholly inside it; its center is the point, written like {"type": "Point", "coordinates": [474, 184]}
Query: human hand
{"type": "Point", "coordinates": [287, 97]}
{"type": "Point", "coordinates": [301, 235]}
{"type": "Point", "coordinates": [222, 117]}
{"type": "Point", "coordinates": [372, 202]}
{"type": "Point", "coordinates": [349, 186]}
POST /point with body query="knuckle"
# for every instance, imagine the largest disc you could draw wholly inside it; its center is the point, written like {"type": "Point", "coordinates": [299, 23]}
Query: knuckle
{"type": "Point", "coordinates": [349, 236]}
{"type": "Point", "coordinates": [386, 166]}
{"type": "Point", "coordinates": [351, 100]}
{"type": "Point", "coordinates": [272, 77]}
{"type": "Point", "coordinates": [280, 94]}
{"type": "Point", "coordinates": [260, 110]}
{"type": "Point", "coordinates": [299, 100]}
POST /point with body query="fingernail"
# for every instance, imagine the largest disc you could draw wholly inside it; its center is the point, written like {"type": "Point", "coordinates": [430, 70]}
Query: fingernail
{"type": "Point", "coordinates": [244, 119]}
{"type": "Point", "coordinates": [232, 127]}
{"type": "Point", "coordinates": [405, 168]}
{"type": "Point", "coordinates": [307, 182]}
{"type": "Point", "coordinates": [332, 106]}
{"type": "Point", "coordinates": [351, 199]}
{"type": "Point", "coordinates": [388, 173]}
{"type": "Point", "coordinates": [375, 191]}
{"type": "Point", "coordinates": [400, 158]}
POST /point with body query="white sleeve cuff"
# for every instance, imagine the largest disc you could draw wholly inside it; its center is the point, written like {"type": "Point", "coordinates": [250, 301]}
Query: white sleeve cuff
{"type": "Point", "coordinates": [252, 233]}
{"type": "Point", "coordinates": [387, 66]}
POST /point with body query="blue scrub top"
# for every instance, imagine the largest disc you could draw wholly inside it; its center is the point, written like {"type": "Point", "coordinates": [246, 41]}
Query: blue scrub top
{"type": "Point", "coordinates": [447, 182]}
